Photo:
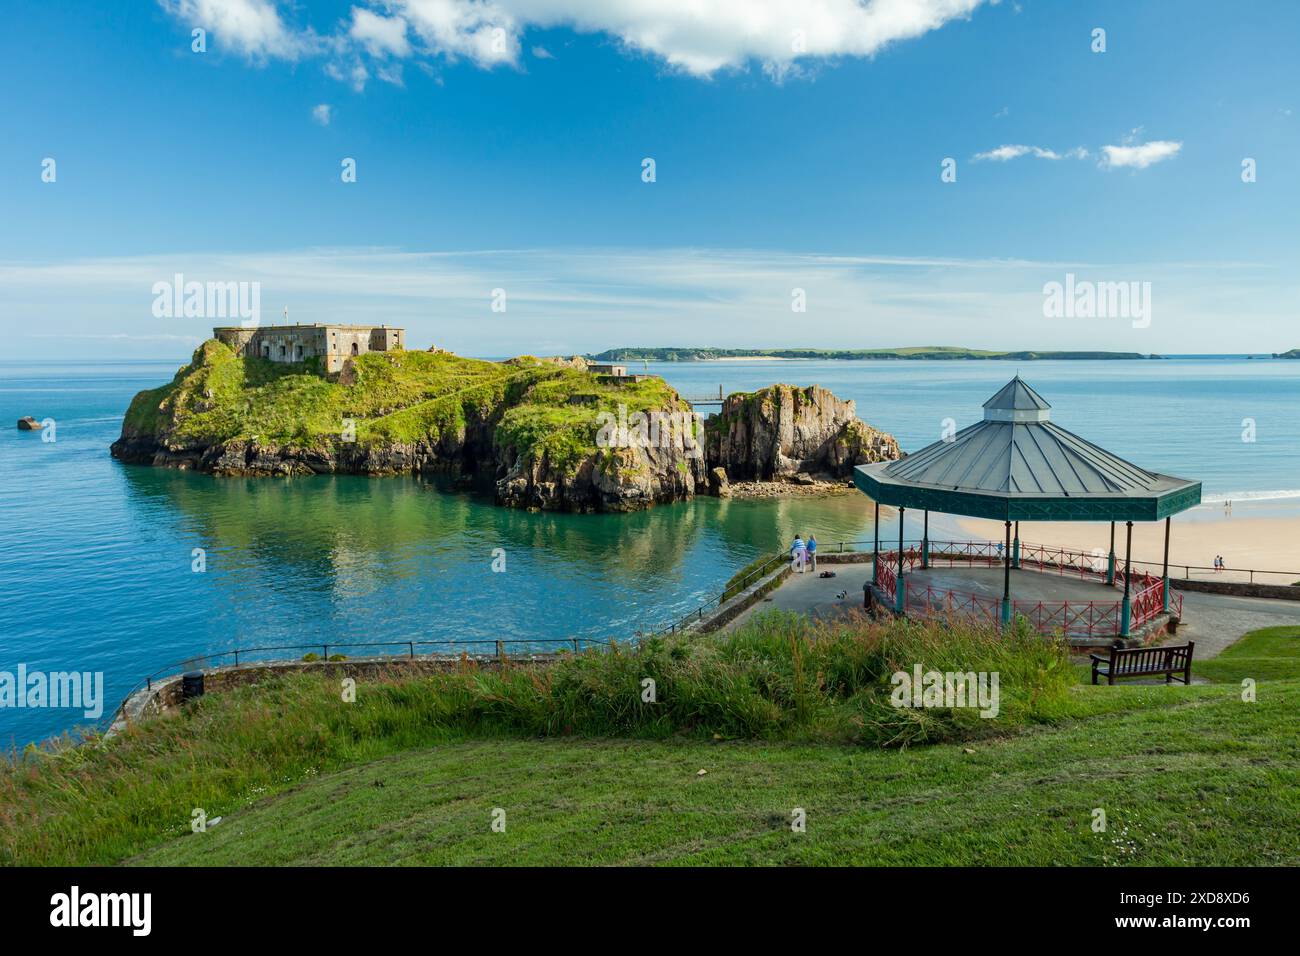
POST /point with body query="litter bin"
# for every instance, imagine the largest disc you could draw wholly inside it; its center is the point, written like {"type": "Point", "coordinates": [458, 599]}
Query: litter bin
{"type": "Point", "coordinates": [192, 685]}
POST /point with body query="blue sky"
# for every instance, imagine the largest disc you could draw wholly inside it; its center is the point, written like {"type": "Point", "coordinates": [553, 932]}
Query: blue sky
{"type": "Point", "coordinates": [518, 166]}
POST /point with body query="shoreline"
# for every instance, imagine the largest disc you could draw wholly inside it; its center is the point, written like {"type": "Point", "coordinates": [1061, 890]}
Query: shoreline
{"type": "Point", "coordinates": [1268, 543]}
{"type": "Point", "coordinates": [773, 490]}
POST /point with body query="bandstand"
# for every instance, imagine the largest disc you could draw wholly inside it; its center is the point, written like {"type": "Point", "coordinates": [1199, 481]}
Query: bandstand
{"type": "Point", "coordinates": [1017, 465]}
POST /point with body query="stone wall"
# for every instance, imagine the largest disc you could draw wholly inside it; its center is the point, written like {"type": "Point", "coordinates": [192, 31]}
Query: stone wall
{"type": "Point", "coordinates": [164, 696]}
{"type": "Point", "coordinates": [1283, 592]}
{"type": "Point", "coordinates": [332, 344]}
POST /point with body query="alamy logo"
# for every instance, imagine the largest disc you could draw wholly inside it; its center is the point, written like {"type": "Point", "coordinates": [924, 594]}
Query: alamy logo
{"type": "Point", "coordinates": [179, 299]}
{"type": "Point", "coordinates": [651, 430]}
{"type": "Point", "coordinates": [947, 689]}
{"type": "Point", "coordinates": [1098, 300]}
{"type": "Point", "coordinates": [57, 690]}
{"type": "Point", "coordinates": [74, 909]}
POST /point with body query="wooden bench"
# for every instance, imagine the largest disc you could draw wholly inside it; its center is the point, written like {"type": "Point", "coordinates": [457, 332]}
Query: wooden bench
{"type": "Point", "coordinates": [1144, 662]}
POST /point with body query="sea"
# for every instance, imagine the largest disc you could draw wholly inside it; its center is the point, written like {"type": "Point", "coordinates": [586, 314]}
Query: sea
{"type": "Point", "coordinates": [126, 571]}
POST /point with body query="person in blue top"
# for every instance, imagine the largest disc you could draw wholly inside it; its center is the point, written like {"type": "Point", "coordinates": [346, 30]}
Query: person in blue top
{"type": "Point", "coordinates": [812, 551]}
{"type": "Point", "coordinates": [798, 553]}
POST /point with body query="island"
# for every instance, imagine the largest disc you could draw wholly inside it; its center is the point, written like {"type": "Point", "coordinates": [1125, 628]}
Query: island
{"type": "Point", "coordinates": [1292, 354]}
{"type": "Point", "coordinates": [703, 354]}
{"type": "Point", "coordinates": [548, 433]}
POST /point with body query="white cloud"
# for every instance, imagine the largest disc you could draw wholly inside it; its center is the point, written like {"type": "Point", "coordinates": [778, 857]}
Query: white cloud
{"type": "Point", "coordinates": [701, 38]}
{"type": "Point", "coordinates": [381, 36]}
{"type": "Point", "coordinates": [1139, 157]}
{"type": "Point", "coordinates": [1004, 153]}
{"type": "Point", "coordinates": [250, 27]}
{"type": "Point", "coordinates": [321, 114]}
{"type": "Point", "coordinates": [482, 32]}
{"type": "Point", "coordinates": [542, 53]}
{"type": "Point", "coordinates": [694, 37]}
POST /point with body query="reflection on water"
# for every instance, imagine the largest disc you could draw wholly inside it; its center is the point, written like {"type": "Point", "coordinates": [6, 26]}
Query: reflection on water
{"type": "Point", "coordinates": [96, 556]}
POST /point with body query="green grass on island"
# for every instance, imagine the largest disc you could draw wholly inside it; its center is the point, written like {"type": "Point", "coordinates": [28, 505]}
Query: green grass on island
{"type": "Point", "coordinates": [397, 397]}
{"type": "Point", "coordinates": [941, 352]}
{"type": "Point", "coordinates": [781, 714]}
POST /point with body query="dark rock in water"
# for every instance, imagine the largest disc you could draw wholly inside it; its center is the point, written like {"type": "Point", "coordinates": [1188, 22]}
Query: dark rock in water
{"type": "Point", "coordinates": [28, 424]}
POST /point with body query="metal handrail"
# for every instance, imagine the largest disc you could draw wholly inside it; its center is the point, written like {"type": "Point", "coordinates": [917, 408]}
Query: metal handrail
{"type": "Point", "coordinates": [500, 654]}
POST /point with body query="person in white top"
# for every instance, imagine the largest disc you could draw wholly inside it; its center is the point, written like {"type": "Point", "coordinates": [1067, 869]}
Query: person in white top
{"type": "Point", "coordinates": [798, 554]}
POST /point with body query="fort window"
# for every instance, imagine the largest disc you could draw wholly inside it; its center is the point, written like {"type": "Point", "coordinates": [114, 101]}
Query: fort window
{"type": "Point", "coordinates": [355, 351]}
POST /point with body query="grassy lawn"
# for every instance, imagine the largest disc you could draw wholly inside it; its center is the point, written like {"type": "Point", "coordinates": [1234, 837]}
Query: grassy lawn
{"type": "Point", "coordinates": [1200, 782]}
{"type": "Point", "coordinates": [1190, 776]}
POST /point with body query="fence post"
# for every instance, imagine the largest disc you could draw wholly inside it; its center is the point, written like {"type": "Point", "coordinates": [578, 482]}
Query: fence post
{"type": "Point", "coordinates": [501, 652]}
{"type": "Point", "coordinates": [325, 652]}
{"type": "Point", "coordinates": [411, 647]}
{"type": "Point", "coordinates": [236, 657]}
{"type": "Point", "coordinates": [575, 645]}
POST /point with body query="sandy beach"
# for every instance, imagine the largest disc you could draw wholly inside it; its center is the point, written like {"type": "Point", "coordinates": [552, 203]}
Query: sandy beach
{"type": "Point", "coordinates": [1246, 540]}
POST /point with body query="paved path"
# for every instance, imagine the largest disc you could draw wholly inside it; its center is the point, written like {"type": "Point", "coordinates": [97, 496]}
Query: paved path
{"type": "Point", "coordinates": [815, 596]}
{"type": "Point", "coordinates": [1215, 621]}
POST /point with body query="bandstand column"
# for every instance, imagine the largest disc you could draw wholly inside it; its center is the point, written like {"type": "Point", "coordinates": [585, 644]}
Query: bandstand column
{"type": "Point", "coordinates": [875, 551]}
{"type": "Point", "coordinates": [1110, 563]}
{"type": "Point", "coordinates": [1006, 580]}
{"type": "Point", "coordinates": [1015, 552]}
{"type": "Point", "coordinates": [1126, 609]}
{"type": "Point", "coordinates": [925, 540]}
{"type": "Point", "coordinates": [1165, 573]}
{"type": "Point", "coordinates": [900, 589]}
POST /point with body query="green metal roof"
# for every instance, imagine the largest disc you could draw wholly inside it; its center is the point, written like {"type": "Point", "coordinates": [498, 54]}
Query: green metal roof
{"type": "Point", "coordinates": [1017, 395]}
{"type": "Point", "coordinates": [1017, 465]}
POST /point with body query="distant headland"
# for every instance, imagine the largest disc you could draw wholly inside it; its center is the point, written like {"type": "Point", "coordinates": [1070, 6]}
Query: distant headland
{"type": "Point", "coordinates": [704, 354]}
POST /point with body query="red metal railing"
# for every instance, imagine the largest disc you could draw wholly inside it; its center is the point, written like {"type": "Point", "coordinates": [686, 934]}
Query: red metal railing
{"type": "Point", "coordinates": [1071, 618]}
{"type": "Point", "coordinates": [887, 579]}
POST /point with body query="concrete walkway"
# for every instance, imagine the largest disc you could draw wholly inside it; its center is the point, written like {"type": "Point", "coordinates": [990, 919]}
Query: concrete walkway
{"type": "Point", "coordinates": [1216, 621]}
{"type": "Point", "coordinates": [1213, 621]}
{"type": "Point", "coordinates": [815, 596]}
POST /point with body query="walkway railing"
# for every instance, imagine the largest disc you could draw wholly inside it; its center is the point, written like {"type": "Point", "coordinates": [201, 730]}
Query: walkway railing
{"type": "Point", "coordinates": [482, 648]}
{"type": "Point", "coordinates": [1071, 618]}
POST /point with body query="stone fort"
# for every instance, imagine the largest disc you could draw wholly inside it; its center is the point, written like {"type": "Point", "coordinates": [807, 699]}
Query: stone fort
{"type": "Point", "coordinates": [332, 344]}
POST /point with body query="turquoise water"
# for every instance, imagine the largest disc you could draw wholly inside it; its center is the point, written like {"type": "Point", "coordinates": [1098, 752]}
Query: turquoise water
{"type": "Point", "coordinates": [96, 557]}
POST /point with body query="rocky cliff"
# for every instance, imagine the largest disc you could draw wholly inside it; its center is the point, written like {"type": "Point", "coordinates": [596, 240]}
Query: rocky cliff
{"type": "Point", "coordinates": [548, 435]}
{"type": "Point", "coordinates": [783, 432]}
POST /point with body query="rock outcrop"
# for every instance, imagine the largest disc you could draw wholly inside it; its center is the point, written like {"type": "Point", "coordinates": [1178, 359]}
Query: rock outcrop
{"type": "Point", "coordinates": [612, 479]}
{"type": "Point", "coordinates": [782, 433]}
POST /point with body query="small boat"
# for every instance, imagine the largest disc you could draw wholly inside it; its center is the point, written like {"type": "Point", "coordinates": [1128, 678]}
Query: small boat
{"type": "Point", "coordinates": [28, 424]}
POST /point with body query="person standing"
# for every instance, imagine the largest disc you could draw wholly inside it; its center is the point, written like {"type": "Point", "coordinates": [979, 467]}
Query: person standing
{"type": "Point", "coordinates": [798, 553]}
{"type": "Point", "coordinates": [812, 552]}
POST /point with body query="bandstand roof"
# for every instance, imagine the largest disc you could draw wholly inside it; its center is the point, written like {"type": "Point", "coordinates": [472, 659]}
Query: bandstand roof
{"type": "Point", "coordinates": [1018, 465]}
